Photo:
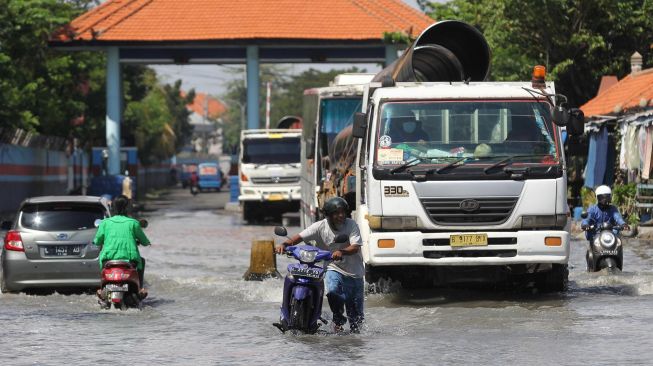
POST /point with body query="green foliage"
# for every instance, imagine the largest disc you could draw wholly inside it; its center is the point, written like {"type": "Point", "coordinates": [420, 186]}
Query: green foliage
{"type": "Point", "coordinates": [401, 39]}
{"type": "Point", "coordinates": [587, 197]}
{"type": "Point", "coordinates": [577, 40]}
{"type": "Point", "coordinates": [623, 196]}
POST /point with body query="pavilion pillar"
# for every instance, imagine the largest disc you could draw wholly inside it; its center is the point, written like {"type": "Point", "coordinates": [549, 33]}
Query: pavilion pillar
{"type": "Point", "coordinates": [113, 110]}
{"type": "Point", "coordinates": [252, 88]}
{"type": "Point", "coordinates": [390, 54]}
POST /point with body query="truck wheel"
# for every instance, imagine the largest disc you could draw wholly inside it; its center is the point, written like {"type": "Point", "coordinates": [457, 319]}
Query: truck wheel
{"type": "Point", "coordinates": [556, 280]}
{"type": "Point", "coordinates": [248, 213]}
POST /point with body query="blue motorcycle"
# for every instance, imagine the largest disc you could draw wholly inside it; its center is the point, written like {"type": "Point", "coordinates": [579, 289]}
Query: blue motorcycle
{"type": "Point", "coordinates": [303, 288]}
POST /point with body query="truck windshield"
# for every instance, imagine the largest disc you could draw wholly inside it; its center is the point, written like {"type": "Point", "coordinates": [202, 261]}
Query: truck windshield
{"type": "Point", "coordinates": [336, 114]}
{"type": "Point", "coordinates": [285, 150]}
{"type": "Point", "coordinates": [440, 132]}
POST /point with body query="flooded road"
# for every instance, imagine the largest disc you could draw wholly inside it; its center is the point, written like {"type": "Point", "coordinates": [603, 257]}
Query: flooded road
{"type": "Point", "coordinates": [201, 312]}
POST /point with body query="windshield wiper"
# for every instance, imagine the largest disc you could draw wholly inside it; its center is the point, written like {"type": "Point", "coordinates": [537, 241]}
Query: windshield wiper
{"type": "Point", "coordinates": [508, 161]}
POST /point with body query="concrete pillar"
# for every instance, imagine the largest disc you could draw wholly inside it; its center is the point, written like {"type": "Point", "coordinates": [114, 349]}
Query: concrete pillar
{"type": "Point", "coordinates": [252, 87]}
{"type": "Point", "coordinates": [390, 54]}
{"type": "Point", "coordinates": [113, 110]}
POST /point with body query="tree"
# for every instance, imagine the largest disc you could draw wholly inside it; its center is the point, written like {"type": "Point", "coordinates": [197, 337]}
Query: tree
{"type": "Point", "coordinates": [577, 40]}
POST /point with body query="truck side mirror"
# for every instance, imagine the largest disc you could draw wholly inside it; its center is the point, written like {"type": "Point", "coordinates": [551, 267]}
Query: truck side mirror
{"type": "Point", "coordinates": [360, 125]}
{"type": "Point", "coordinates": [310, 149]}
{"type": "Point", "coordinates": [560, 115]}
{"type": "Point", "coordinates": [576, 125]}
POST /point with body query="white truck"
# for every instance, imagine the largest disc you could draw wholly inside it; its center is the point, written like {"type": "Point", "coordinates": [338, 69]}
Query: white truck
{"type": "Point", "coordinates": [326, 111]}
{"type": "Point", "coordinates": [460, 180]}
{"type": "Point", "coordinates": [269, 172]}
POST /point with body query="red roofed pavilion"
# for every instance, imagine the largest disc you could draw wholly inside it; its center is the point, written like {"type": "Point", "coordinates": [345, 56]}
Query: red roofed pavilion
{"type": "Point", "coordinates": [236, 31]}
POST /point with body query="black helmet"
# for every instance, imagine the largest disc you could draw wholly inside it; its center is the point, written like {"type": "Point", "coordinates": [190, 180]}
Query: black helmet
{"type": "Point", "coordinates": [334, 204]}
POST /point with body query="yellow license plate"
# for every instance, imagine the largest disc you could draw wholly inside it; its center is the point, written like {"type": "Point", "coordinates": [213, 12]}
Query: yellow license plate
{"type": "Point", "coordinates": [468, 240]}
{"type": "Point", "coordinates": [275, 197]}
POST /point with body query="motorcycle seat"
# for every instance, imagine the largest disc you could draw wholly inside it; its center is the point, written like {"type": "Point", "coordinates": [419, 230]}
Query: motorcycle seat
{"type": "Point", "coordinates": [118, 263]}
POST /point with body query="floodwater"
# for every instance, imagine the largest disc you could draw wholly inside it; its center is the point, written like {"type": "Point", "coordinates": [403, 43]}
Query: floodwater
{"type": "Point", "coordinates": [201, 312]}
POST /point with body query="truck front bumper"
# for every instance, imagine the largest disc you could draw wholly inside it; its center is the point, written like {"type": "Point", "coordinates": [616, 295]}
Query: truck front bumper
{"type": "Point", "coordinates": [269, 194]}
{"type": "Point", "coordinates": [433, 249]}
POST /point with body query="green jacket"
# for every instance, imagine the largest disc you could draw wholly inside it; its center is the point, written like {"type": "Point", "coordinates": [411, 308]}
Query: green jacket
{"type": "Point", "coordinates": [117, 235]}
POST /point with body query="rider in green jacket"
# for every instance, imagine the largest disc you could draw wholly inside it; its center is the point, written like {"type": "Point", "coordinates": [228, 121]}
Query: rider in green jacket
{"type": "Point", "coordinates": [119, 237]}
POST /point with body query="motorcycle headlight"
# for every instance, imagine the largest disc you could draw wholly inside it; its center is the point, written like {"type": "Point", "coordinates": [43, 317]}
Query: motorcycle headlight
{"type": "Point", "coordinates": [307, 256]}
{"type": "Point", "coordinates": [607, 239]}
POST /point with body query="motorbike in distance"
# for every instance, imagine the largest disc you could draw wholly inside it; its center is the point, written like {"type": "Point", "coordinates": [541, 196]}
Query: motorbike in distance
{"type": "Point", "coordinates": [605, 250]}
{"type": "Point", "coordinates": [120, 284]}
{"type": "Point", "coordinates": [303, 287]}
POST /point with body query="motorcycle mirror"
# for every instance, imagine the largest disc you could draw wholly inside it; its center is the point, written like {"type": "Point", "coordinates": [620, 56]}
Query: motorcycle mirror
{"type": "Point", "coordinates": [342, 238]}
{"type": "Point", "coordinates": [583, 215]}
{"type": "Point", "coordinates": [280, 231]}
{"type": "Point", "coordinates": [97, 222]}
{"type": "Point", "coordinates": [143, 223]}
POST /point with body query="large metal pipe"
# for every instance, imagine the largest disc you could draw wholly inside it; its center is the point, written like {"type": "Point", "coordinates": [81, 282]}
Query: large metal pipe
{"type": "Point", "coordinates": [449, 50]}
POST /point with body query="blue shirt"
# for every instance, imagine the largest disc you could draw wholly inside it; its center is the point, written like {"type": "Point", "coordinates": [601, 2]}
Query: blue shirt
{"type": "Point", "coordinates": [596, 216]}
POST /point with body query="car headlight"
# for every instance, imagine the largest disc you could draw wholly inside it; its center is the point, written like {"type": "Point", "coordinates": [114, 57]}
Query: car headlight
{"type": "Point", "coordinates": [607, 239]}
{"type": "Point", "coordinates": [307, 256]}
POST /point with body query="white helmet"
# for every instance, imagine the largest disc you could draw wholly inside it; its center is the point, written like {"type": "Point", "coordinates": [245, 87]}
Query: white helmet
{"type": "Point", "coordinates": [601, 190]}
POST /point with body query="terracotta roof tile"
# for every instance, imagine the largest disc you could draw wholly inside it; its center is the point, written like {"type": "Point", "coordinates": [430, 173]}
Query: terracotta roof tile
{"type": "Point", "coordinates": [627, 94]}
{"type": "Point", "coordinates": [204, 102]}
{"type": "Point", "coordinates": [207, 20]}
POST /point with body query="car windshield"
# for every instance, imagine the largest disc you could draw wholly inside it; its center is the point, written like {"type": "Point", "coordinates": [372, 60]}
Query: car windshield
{"type": "Point", "coordinates": [61, 216]}
{"type": "Point", "coordinates": [282, 150]}
{"type": "Point", "coordinates": [442, 131]}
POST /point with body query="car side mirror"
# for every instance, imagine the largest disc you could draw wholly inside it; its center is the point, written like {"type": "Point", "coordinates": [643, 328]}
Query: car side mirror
{"type": "Point", "coordinates": [6, 225]}
{"type": "Point", "coordinates": [342, 238]}
{"type": "Point", "coordinates": [143, 223]}
{"type": "Point", "coordinates": [280, 231]}
{"type": "Point", "coordinates": [360, 125]}
{"type": "Point", "coordinates": [583, 215]}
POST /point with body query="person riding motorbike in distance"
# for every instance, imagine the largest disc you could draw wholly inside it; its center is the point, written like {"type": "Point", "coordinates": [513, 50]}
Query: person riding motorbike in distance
{"type": "Point", "coordinates": [119, 237]}
{"type": "Point", "coordinates": [602, 212]}
{"type": "Point", "coordinates": [345, 275]}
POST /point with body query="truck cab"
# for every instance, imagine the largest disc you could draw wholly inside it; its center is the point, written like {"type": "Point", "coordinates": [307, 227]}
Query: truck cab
{"type": "Point", "coordinates": [269, 172]}
{"type": "Point", "coordinates": [462, 180]}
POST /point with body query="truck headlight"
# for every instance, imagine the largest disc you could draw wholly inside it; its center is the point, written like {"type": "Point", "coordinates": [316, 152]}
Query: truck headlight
{"type": "Point", "coordinates": [392, 222]}
{"type": "Point", "coordinates": [607, 239]}
{"type": "Point", "coordinates": [543, 221]}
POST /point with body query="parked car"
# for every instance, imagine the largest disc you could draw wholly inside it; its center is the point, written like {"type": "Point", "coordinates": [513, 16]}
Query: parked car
{"type": "Point", "coordinates": [210, 176]}
{"type": "Point", "coordinates": [49, 244]}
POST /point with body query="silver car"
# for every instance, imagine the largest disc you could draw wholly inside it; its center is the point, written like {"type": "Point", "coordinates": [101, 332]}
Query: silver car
{"type": "Point", "coordinates": [49, 245]}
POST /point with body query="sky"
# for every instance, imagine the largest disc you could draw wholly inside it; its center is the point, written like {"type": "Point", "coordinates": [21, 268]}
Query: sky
{"type": "Point", "coordinates": [212, 79]}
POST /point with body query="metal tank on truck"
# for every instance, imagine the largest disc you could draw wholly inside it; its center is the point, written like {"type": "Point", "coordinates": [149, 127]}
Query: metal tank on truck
{"type": "Point", "coordinates": [459, 179]}
{"type": "Point", "coordinates": [326, 112]}
{"type": "Point", "coordinates": [269, 170]}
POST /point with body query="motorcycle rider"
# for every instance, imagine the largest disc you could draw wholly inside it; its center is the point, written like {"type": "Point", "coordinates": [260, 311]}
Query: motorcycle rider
{"type": "Point", "coordinates": [118, 236]}
{"type": "Point", "coordinates": [345, 275]}
{"type": "Point", "coordinates": [602, 212]}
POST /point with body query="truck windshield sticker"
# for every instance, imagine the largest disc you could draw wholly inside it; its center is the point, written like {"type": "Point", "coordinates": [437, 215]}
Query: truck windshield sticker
{"type": "Point", "coordinates": [385, 141]}
{"type": "Point", "coordinates": [390, 156]}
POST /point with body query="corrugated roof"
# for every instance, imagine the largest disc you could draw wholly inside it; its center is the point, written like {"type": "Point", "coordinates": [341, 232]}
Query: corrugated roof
{"type": "Point", "coordinates": [626, 94]}
{"type": "Point", "coordinates": [211, 20]}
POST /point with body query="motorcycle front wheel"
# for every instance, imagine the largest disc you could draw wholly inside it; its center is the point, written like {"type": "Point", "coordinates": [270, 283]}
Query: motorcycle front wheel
{"type": "Point", "coordinates": [300, 315]}
{"type": "Point", "coordinates": [610, 264]}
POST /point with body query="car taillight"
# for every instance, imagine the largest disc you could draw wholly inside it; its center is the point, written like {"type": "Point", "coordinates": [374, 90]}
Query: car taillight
{"type": "Point", "coordinates": [13, 241]}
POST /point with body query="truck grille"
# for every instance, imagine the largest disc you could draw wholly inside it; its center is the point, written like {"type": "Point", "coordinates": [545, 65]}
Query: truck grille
{"type": "Point", "coordinates": [275, 180]}
{"type": "Point", "coordinates": [448, 211]}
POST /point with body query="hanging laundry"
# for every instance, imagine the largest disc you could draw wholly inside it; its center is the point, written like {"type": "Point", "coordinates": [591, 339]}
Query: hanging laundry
{"type": "Point", "coordinates": [596, 158]}
{"type": "Point", "coordinates": [608, 178]}
{"type": "Point", "coordinates": [623, 130]}
{"type": "Point", "coordinates": [632, 152]}
{"type": "Point", "coordinates": [641, 146]}
{"type": "Point", "coordinates": [647, 151]}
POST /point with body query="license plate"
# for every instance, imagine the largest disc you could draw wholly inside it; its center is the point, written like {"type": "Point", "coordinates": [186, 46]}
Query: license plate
{"type": "Point", "coordinates": [275, 197]}
{"type": "Point", "coordinates": [117, 288]}
{"type": "Point", "coordinates": [62, 250]}
{"type": "Point", "coordinates": [305, 272]}
{"type": "Point", "coordinates": [468, 240]}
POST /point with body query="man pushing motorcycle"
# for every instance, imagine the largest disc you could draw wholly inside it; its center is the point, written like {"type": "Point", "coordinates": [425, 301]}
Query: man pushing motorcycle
{"type": "Point", "coordinates": [345, 275]}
